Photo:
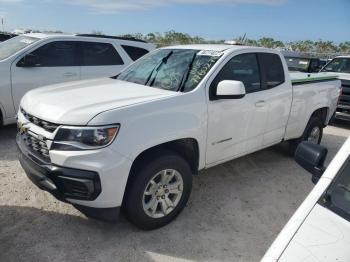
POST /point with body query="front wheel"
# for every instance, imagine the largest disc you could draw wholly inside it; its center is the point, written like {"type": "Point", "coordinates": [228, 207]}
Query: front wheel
{"type": "Point", "coordinates": [159, 190]}
{"type": "Point", "coordinates": [313, 133]}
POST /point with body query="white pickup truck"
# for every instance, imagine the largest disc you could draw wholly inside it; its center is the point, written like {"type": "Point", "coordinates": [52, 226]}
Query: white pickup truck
{"type": "Point", "coordinates": [135, 140]}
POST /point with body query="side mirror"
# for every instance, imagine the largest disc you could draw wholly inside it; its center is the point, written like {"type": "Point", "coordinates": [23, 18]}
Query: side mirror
{"type": "Point", "coordinates": [230, 89]}
{"type": "Point", "coordinates": [29, 60]}
{"type": "Point", "coordinates": [311, 157]}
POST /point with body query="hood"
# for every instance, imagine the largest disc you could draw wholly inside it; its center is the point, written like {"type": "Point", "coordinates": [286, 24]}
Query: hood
{"type": "Point", "coordinates": [76, 103]}
{"type": "Point", "coordinates": [324, 236]}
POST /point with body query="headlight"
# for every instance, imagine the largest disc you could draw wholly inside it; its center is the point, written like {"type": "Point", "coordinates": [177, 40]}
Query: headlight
{"type": "Point", "coordinates": [84, 138]}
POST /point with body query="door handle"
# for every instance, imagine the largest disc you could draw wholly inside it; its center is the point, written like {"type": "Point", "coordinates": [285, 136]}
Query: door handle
{"type": "Point", "coordinates": [260, 103]}
{"type": "Point", "coordinates": [69, 74]}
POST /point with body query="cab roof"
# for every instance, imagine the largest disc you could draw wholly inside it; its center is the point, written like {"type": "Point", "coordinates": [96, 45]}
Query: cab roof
{"type": "Point", "coordinates": [52, 35]}
{"type": "Point", "coordinates": [215, 47]}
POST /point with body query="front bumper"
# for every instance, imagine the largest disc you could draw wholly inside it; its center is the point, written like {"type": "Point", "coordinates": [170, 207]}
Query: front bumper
{"type": "Point", "coordinates": [343, 112]}
{"type": "Point", "coordinates": [62, 182]}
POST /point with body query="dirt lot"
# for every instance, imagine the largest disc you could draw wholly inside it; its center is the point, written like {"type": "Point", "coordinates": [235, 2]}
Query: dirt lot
{"type": "Point", "coordinates": [234, 213]}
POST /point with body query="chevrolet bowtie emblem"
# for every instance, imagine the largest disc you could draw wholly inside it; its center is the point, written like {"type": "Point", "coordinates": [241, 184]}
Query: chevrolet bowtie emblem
{"type": "Point", "coordinates": [22, 128]}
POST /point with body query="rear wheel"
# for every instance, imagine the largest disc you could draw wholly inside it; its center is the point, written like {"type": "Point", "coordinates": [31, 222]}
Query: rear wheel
{"type": "Point", "coordinates": [313, 133]}
{"type": "Point", "coordinates": [159, 191]}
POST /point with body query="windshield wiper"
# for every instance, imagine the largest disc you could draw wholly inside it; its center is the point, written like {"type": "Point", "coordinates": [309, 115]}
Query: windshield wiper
{"type": "Point", "coordinates": [157, 67]}
{"type": "Point", "coordinates": [186, 74]}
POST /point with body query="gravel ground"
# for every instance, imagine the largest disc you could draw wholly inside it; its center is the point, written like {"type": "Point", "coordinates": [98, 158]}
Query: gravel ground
{"type": "Point", "coordinates": [234, 213]}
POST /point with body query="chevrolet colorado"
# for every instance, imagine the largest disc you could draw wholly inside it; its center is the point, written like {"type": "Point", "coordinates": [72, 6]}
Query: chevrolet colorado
{"type": "Point", "coordinates": [134, 141]}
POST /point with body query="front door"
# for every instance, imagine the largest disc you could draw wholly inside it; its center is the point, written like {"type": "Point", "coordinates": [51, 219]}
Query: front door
{"type": "Point", "coordinates": [56, 62]}
{"type": "Point", "coordinates": [236, 126]}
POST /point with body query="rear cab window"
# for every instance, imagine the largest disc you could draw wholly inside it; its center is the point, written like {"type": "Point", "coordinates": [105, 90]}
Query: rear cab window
{"type": "Point", "coordinates": [272, 71]}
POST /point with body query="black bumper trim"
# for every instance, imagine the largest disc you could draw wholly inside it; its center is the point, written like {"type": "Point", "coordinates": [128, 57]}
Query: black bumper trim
{"type": "Point", "coordinates": [63, 183]}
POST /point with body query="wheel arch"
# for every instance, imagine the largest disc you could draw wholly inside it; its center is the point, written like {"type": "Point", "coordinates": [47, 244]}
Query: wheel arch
{"type": "Point", "coordinates": [1, 117]}
{"type": "Point", "coordinates": [188, 148]}
{"type": "Point", "coordinates": [323, 114]}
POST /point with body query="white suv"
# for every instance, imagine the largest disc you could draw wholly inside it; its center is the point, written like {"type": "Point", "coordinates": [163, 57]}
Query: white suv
{"type": "Point", "coordinates": [33, 60]}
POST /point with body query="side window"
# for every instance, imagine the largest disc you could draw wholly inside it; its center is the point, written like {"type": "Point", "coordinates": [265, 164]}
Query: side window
{"type": "Point", "coordinates": [242, 68]}
{"type": "Point", "coordinates": [56, 54]}
{"type": "Point", "coordinates": [272, 69]}
{"type": "Point", "coordinates": [134, 52]}
{"type": "Point", "coordinates": [99, 54]}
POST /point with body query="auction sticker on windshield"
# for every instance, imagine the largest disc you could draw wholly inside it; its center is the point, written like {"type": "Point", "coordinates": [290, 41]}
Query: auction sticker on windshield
{"type": "Point", "coordinates": [210, 53]}
{"type": "Point", "coordinates": [27, 41]}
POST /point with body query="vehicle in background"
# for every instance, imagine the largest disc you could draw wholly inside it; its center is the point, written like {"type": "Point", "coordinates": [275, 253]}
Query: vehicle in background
{"type": "Point", "coordinates": [323, 62]}
{"type": "Point", "coordinates": [134, 141]}
{"type": "Point", "coordinates": [302, 63]}
{"type": "Point", "coordinates": [319, 231]}
{"type": "Point", "coordinates": [341, 67]}
{"type": "Point", "coordinates": [33, 60]}
{"type": "Point", "coordinates": [6, 36]}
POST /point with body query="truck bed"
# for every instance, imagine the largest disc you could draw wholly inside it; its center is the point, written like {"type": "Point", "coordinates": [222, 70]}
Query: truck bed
{"type": "Point", "coordinates": [303, 78]}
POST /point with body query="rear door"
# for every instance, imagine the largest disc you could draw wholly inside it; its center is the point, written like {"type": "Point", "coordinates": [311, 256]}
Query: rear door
{"type": "Point", "coordinates": [56, 63]}
{"type": "Point", "coordinates": [99, 59]}
{"type": "Point", "coordinates": [277, 95]}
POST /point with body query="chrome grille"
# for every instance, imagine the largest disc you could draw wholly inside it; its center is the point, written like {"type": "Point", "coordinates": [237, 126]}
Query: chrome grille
{"type": "Point", "coordinates": [345, 96]}
{"type": "Point", "coordinates": [50, 127]}
{"type": "Point", "coordinates": [36, 146]}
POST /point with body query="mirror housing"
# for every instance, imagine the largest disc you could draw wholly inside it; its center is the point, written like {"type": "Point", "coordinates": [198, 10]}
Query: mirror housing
{"type": "Point", "coordinates": [311, 157]}
{"type": "Point", "coordinates": [230, 89]}
{"type": "Point", "coordinates": [29, 60]}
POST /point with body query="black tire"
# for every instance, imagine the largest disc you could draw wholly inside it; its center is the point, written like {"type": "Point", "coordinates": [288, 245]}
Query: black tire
{"type": "Point", "coordinates": [332, 120]}
{"type": "Point", "coordinates": [313, 122]}
{"type": "Point", "coordinates": [142, 175]}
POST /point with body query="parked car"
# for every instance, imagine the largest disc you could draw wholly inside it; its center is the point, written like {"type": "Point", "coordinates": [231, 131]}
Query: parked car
{"type": "Point", "coordinates": [135, 141]}
{"type": "Point", "coordinates": [341, 67]}
{"type": "Point", "coordinates": [6, 36]}
{"type": "Point", "coordinates": [33, 60]}
{"type": "Point", "coordinates": [319, 230]}
{"type": "Point", "coordinates": [302, 63]}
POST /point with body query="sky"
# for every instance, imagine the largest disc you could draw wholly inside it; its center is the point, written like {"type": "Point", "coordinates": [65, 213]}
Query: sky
{"type": "Point", "coordinates": [286, 20]}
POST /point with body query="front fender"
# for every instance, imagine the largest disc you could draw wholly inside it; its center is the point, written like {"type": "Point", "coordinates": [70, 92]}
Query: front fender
{"type": "Point", "coordinates": [156, 122]}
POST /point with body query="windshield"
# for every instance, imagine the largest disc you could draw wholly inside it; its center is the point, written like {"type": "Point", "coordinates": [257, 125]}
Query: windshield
{"type": "Point", "coordinates": [171, 69]}
{"type": "Point", "coordinates": [298, 64]}
{"type": "Point", "coordinates": [339, 65]}
{"type": "Point", "coordinates": [15, 44]}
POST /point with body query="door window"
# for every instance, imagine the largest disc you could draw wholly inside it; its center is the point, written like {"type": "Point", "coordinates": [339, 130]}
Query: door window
{"type": "Point", "coordinates": [56, 54]}
{"type": "Point", "coordinates": [99, 54]}
{"type": "Point", "coordinates": [134, 52]}
{"type": "Point", "coordinates": [272, 69]}
{"type": "Point", "coordinates": [242, 68]}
